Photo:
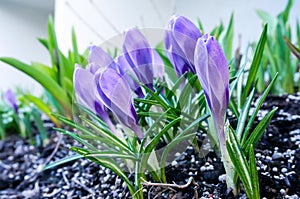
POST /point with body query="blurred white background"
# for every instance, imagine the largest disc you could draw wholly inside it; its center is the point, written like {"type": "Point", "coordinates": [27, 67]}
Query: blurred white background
{"type": "Point", "coordinates": [22, 22]}
{"type": "Point", "coordinates": [95, 21]}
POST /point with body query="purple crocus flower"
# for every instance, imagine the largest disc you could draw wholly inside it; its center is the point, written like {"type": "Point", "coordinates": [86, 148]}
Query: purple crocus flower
{"type": "Point", "coordinates": [85, 91]}
{"type": "Point", "coordinates": [180, 40]}
{"type": "Point", "coordinates": [128, 73]}
{"type": "Point", "coordinates": [11, 99]}
{"type": "Point", "coordinates": [139, 55]}
{"type": "Point", "coordinates": [114, 92]}
{"type": "Point", "coordinates": [98, 58]}
{"type": "Point", "coordinates": [212, 71]}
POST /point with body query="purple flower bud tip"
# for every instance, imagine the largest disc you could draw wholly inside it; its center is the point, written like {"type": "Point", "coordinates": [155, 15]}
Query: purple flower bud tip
{"type": "Point", "coordinates": [139, 55]}
{"type": "Point", "coordinates": [114, 92]}
{"type": "Point", "coordinates": [212, 71]}
{"type": "Point", "coordinates": [11, 99]}
{"type": "Point", "coordinates": [181, 36]}
{"type": "Point", "coordinates": [100, 59]}
{"type": "Point", "coordinates": [85, 90]}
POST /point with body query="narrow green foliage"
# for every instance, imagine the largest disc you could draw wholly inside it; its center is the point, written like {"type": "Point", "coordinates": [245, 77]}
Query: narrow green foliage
{"type": "Point", "coordinates": [228, 38]}
{"type": "Point", "coordinates": [259, 130]}
{"type": "Point", "coordinates": [293, 48]}
{"type": "Point", "coordinates": [57, 79]}
{"type": "Point", "coordinates": [277, 57]}
{"type": "Point", "coordinates": [257, 108]}
{"type": "Point", "coordinates": [40, 127]}
{"type": "Point", "coordinates": [255, 63]}
{"type": "Point", "coordinates": [62, 161]}
{"type": "Point", "coordinates": [242, 167]}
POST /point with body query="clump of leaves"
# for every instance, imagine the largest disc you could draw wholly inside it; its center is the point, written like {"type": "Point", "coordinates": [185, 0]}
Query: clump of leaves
{"type": "Point", "coordinates": [56, 79]}
{"type": "Point", "coordinates": [277, 55]}
{"type": "Point", "coordinates": [18, 116]}
{"type": "Point", "coordinates": [167, 106]}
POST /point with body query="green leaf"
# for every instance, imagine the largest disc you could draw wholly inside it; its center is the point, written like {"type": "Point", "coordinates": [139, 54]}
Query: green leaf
{"type": "Point", "coordinates": [228, 39]}
{"type": "Point", "coordinates": [254, 173]}
{"type": "Point", "coordinates": [157, 115]}
{"type": "Point", "coordinates": [75, 48]}
{"type": "Point", "coordinates": [56, 56]}
{"type": "Point", "coordinates": [274, 66]}
{"type": "Point", "coordinates": [169, 69]}
{"type": "Point", "coordinates": [179, 138]}
{"type": "Point", "coordinates": [217, 31]}
{"type": "Point", "coordinates": [240, 162]}
{"type": "Point", "coordinates": [162, 101]}
{"type": "Point", "coordinates": [293, 48]}
{"type": "Point", "coordinates": [102, 131]}
{"type": "Point", "coordinates": [298, 32]}
{"type": "Point", "coordinates": [259, 104]}
{"type": "Point", "coordinates": [200, 26]}
{"type": "Point", "coordinates": [255, 63]}
{"type": "Point", "coordinates": [237, 84]}
{"type": "Point", "coordinates": [244, 115]}
{"type": "Point", "coordinates": [146, 101]}
{"type": "Point", "coordinates": [62, 161]}
{"type": "Point", "coordinates": [47, 82]}
{"type": "Point", "coordinates": [178, 83]}
{"type": "Point", "coordinates": [68, 69]}
{"type": "Point", "coordinates": [168, 149]}
{"type": "Point", "coordinates": [258, 131]}
{"type": "Point", "coordinates": [77, 138]}
{"type": "Point", "coordinates": [2, 127]}
{"type": "Point", "coordinates": [39, 124]}
{"type": "Point", "coordinates": [153, 142]}
{"type": "Point", "coordinates": [44, 42]}
{"type": "Point", "coordinates": [109, 154]}
{"type": "Point", "coordinates": [153, 126]}
{"type": "Point", "coordinates": [268, 19]}
{"type": "Point", "coordinates": [106, 134]}
{"type": "Point", "coordinates": [286, 12]}
{"type": "Point", "coordinates": [186, 92]}
{"type": "Point", "coordinates": [45, 69]}
{"type": "Point", "coordinates": [51, 45]}
{"type": "Point", "coordinates": [42, 106]}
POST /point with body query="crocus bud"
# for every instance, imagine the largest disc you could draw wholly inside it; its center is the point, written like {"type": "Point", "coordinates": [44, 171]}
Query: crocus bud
{"type": "Point", "coordinates": [11, 99]}
{"type": "Point", "coordinates": [114, 92]}
{"type": "Point", "coordinates": [85, 92]}
{"type": "Point", "coordinates": [139, 55]}
{"type": "Point", "coordinates": [212, 71]}
{"type": "Point", "coordinates": [129, 74]}
{"type": "Point", "coordinates": [181, 36]}
{"type": "Point", "coordinates": [98, 58]}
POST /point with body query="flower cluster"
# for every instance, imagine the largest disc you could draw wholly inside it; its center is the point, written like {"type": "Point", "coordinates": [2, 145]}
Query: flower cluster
{"type": "Point", "coordinates": [190, 51]}
{"type": "Point", "coordinates": [107, 83]}
{"type": "Point", "coordinates": [126, 85]}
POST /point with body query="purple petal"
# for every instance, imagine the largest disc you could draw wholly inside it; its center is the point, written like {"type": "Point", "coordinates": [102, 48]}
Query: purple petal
{"type": "Point", "coordinates": [212, 71]}
{"type": "Point", "coordinates": [11, 99]}
{"type": "Point", "coordinates": [139, 55]}
{"type": "Point", "coordinates": [128, 73]}
{"type": "Point", "coordinates": [114, 91]}
{"type": "Point", "coordinates": [180, 41]}
{"type": "Point", "coordinates": [85, 88]}
{"type": "Point", "coordinates": [184, 29]}
{"type": "Point", "coordinates": [176, 55]}
{"type": "Point", "coordinates": [100, 59]}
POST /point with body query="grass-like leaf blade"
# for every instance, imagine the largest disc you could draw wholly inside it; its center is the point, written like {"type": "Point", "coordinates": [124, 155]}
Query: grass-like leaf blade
{"type": "Point", "coordinates": [255, 62]}
{"type": "Point", "coordinates": [62, 161]}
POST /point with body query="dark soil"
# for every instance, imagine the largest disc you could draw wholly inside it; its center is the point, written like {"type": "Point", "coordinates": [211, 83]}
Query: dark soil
{"type": "Point", "coordinates": [277, 153]}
